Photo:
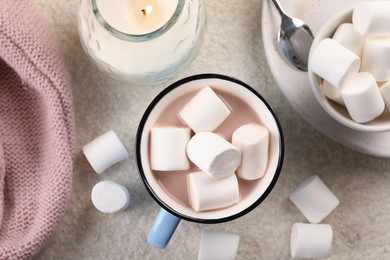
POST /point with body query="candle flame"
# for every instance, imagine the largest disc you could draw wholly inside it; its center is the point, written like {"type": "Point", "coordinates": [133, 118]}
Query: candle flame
{"type": "Point", "coordinates": [147, 10]}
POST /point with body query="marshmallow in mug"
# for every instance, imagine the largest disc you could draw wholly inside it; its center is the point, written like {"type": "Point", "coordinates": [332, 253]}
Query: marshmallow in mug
{"type": "Point", "coordinates": [168, 148]}
{"type": "Point", "coordinates": [213, 154]}
{"type": "Point", "coordinates": [252, 140]}
{"type": "Point", "coordinates": [376, 57]}
{"type": "Point", "coordinates": [311, 240]}
{"type": "Point", "coordinates": [372, 18]}
{"type": "Point", "coordinates": [205, 112]}
{"type": "Point", "coordinates": [362, 97]}
{"type": "Point", "coordinates": [333, 62]}
{"type": "Point", "coordinates": [208, 193]}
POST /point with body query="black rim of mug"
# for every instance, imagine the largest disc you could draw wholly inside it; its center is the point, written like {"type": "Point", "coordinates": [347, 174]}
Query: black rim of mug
{"type": "Point", "coordinates": [139, 134]}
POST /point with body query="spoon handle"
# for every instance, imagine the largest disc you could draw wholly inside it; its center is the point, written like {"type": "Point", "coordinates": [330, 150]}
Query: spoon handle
{"type": "Point", "coordinates": [279, 8]}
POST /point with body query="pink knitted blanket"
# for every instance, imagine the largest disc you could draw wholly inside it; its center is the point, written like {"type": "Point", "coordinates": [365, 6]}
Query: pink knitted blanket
{"type": "Point", "coordinates": [36, 131]}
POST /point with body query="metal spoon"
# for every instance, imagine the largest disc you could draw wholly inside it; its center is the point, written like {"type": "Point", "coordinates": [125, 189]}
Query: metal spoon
{"type": "Point", "coordinates": [295, 39]}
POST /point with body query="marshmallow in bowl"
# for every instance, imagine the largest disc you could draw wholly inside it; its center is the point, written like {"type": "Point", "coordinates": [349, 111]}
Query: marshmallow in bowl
{"type": "Point", "coordinates": [205, 111]}
{"type": "Point", "coordinates": [208, 193]}
{"type": "Point", "coordinates": [332, 92]}
{"type": "Point", "coordinates": [253, 141]}
{"type": "Point", "coordinates": [347, 35]}
{"type": "Point", "coordinates": [368, 36]}
{"type": "Point", "coordinates": [376, 57]}
{"type": "Point", "coordinates": [333, 62]}
{"type": "Point", "coordinates": [362, 97]}
{"type": "Point", "coordinates": [385, 91]}
{"type": "Point", "coordinates": [311, 240]}
{"type": "Point", "coordinates": [372, 18]}
{"type": "Point", "coordinates": [168, 148]}
{"type": "Point", "coordinates": [213, 154]}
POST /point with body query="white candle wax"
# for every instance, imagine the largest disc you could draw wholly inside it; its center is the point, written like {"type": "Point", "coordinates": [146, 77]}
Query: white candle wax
{"type": "Point", "coordinates": [145, 56]}
{"type": "Point", "coordinates": [136, 16]}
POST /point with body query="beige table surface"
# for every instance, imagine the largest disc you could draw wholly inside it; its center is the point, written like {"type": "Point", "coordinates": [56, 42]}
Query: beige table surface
{"type": "Point", "coordinates": [232, 46]}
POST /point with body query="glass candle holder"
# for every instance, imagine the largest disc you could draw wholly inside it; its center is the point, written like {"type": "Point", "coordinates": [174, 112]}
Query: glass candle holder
{"type": "Point", "coordinates": [141, 41]}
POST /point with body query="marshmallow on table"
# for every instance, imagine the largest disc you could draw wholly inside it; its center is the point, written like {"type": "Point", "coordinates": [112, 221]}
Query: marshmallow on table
{"type": "Point", "coordinates": [362, 97]}
{"type": "Point", "coordinates": [208, 193]}
{"type": "Point", "coordinates": [213, 154]}
{"type": "Point", "coordinates": [104, 151]}
{"type": "Point", "coordinates": [347, 35]}
{"type": "Point", "coordinates": [385, 91]}
{"type": "Point", "coordinates": [168, 148]}
{"type": "Point", "coordinates": [311, 240]}
{"type": "Point", "coordinates": [372, 18]}
{"type": "Point", "coordinates": [205, 112]}
{"type": "Point", "coordinates": [252, 140]}
{"type": "Point", "coordinates": [218, 245]}
{"type": "Point", "coordinates": [333, 62]}
{"type": "Point", "coordinates": [110, 197]}
{"type": "Point", "coordinates": [314, 199]}
{"type": "Point", "coordinates": [332, 92]}
{"type": "Point", "coordinates": [376, 57]}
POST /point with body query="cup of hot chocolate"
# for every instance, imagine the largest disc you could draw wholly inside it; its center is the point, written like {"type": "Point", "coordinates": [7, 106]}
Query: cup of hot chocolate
{"type": "Point", "coordinates": [209, 149]}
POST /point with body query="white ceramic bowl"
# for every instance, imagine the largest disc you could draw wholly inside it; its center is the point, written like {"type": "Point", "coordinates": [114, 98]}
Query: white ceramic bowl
{"type": "Point", "coordinates": [335, 110]}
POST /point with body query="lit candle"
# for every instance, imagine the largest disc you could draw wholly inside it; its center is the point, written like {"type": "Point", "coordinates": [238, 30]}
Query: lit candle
{"type": "Point", "coordinates": [151, 14]}
{"type": "Point", "coordinates": [137, 16]}
{"type": "Point", "coordinates": [141, 41]}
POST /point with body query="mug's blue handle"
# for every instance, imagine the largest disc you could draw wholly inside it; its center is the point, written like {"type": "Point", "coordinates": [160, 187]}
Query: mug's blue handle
{"type": "Point", "coordinates": [163, 228]}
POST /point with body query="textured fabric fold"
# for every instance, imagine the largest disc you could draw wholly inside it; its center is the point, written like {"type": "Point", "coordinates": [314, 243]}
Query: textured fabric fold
{"type": "Point", "coordinates": [2, 174]}
{"type": "Point", "coordinates": [36, 130]}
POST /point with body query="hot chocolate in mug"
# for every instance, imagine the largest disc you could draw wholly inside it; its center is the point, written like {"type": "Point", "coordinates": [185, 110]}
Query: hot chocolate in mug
{"type": "Point", "coordinates": [177, 190]}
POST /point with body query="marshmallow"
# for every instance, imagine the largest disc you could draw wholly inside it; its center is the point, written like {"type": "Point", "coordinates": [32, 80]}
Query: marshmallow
{"type": "Point", "coordinates": [311, 240]}
{"type": "Point", "coordinates": [333, 62]}
{"type": "Point", "coordinates": [205, 112]}
{"type": "Point", "coordinates": [110, 197]}
{"type": "Point", "coordinates": [385, 91]}
{"type": "Point", "coordinates": [314, 199]}
{"type": "Point", "coordinates": [376, 57]}
{"type": "Point", "coordinates": [362, 97]}
{"type": "Point", "coordinates": [213, 154]}
{"type": "Point", "coordinates": [347, 35]}
{"type": "Point", "coordinates": [168, 148]}
{"type": "Point", "coordinates": [372, 18]}
{"type": "Point", "coordinates": [208, 193]}
{"type": "Point", "coordinates": [105, 151]}
{"type": "Point", "coordinates": [332, 92]}
{"type": "Point", "coordinates": [253, 141]}
{"type": "Point", "coordinates": [218, 245]}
